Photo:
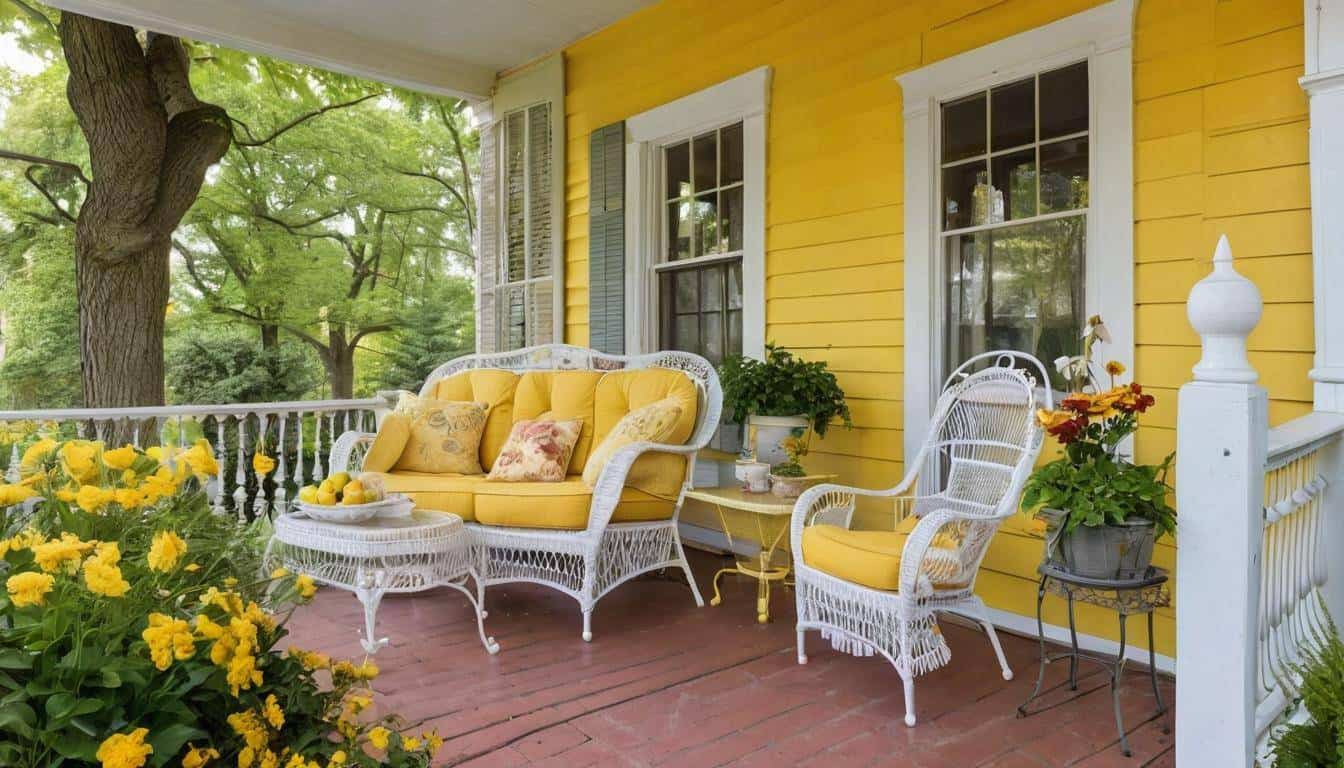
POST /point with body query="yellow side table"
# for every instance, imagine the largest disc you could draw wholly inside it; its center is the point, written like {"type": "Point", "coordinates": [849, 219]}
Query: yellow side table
{"type": "Point", "coordinates": [772, 515]}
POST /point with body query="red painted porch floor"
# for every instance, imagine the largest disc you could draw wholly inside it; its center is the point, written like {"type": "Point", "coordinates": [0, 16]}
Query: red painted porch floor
{"type": "Point", "coordinates": [666, 683]}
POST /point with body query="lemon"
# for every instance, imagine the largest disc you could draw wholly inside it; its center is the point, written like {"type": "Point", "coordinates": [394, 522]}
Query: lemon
{"type": "Point", "coordinates": [338, 480]}
{"type": "Point", "coordinates": [326, 498]}
{"type": "Point", "coordinates": [308, 494]}
{"type": "Point", "coordinates": [354, 486]}
{"type": "Point", "coordinates": [327, 487]}
{"type": "Point", "coordinates": [352, 497]}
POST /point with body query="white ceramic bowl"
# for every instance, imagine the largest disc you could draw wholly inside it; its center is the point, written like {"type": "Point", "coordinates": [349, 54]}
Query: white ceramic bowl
{"type": "Point", "coordinates": [395, 505]}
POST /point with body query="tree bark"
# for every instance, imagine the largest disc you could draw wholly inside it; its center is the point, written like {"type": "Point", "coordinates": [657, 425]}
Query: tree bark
{"type": "Point", "coordinates": [150, 143]}
{"type": "Point", "coordinates": [340, 363]}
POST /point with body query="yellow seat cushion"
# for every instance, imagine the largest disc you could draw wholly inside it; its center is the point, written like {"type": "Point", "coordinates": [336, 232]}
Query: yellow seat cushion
{"type": "Point", "coordinates": [560, 396]}
{"type": "Point", "coordinates": [620, 392]}
{"type": "Point", "coordinates": [493, 387]}
{"type": "Point", "coordinates": [559, 506]}
{"type": "Point", "coordinates": [438, 491]}
{"type": "Point", "coordinates": [387, 446]}
{"type": "Point", "coordinates": [444, 436]}
{"type": "Point", "coordinates": [873, 558]}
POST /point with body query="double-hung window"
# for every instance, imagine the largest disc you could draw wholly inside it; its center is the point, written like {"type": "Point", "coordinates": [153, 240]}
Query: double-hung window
{"type": "Point", "coordinates": [699, 271]}
{"type": "Point", "coordinates": [1013, 188]}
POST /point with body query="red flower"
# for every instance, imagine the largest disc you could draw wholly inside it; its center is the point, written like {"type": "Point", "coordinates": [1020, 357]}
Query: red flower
{"type": "Point", "coordinates": [1068, 431]}
{"type": "Point", "coordinates": [1077, 402]}
{"type": "Point", "coordinates": [1135, 401]}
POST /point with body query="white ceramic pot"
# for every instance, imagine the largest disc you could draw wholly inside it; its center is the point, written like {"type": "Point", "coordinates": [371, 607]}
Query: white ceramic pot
{"type": "Point", "coordinates": [770, 432]}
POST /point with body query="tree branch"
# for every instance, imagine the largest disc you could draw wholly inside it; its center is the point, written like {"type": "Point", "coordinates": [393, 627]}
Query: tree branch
{"type": "Point", "coordinates": [455, 192]}
{"type": "Point", "coordinates": [466, 169]}
{"type": "Point", "coordinates": [71, 167]}
{"type": "Point", "coordinates": [28, 174]}
{"type": "Point", "coordinates": [300, 120]}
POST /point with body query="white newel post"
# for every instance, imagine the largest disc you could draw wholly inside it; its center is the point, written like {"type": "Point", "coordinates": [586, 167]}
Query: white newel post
{"type": "Point", "coordinates": [1323, 80]}
{"type": "Point", "coordinates": [1221, 438]}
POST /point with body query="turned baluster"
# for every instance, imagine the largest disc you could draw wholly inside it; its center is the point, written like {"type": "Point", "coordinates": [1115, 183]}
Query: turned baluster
{"type": "Point", "coordinates": [240, 473]}
{"type": "Point", "coordinates": [280, 475]}
{"type": "Point", "coordinates": [221, 425]}
{"type": "Point", "coordinates": [317, 447]}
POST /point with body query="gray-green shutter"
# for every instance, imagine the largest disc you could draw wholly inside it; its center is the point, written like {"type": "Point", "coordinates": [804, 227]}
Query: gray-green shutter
{"type": "Point", "coordinates": [606, 239]}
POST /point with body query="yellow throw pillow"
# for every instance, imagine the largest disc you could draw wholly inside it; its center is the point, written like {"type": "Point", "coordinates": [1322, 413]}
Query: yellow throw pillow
{"type": "Point", "coordinates": [652, 423]}
{"type": "Point", "coordinates": [389, 444]}
{"type": "Point", "coordinates": [537, 451]}
{"type": "Point", "coordinates": [445, 436]}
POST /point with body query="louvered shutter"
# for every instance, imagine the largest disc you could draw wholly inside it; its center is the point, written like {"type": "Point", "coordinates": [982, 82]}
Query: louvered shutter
{"type": "Point", "coordinates": [487, 241]}
{"type": "Point", "coordinates": [606, 238]}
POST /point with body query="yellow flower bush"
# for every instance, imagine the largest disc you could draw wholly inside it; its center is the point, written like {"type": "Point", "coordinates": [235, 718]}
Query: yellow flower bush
{"type": "Point", "coordinates": [119, 652]}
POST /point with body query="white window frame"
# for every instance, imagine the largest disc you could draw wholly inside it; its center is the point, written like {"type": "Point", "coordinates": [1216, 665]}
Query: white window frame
{"type": "Point", "coordinates": [1103, 36]}
{"type": "Point", "coordinates": [744, 99]}
{"type": "Point", "coordinates": [539, 83]}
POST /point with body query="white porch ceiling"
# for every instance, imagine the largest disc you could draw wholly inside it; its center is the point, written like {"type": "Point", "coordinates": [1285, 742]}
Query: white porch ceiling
{"type": "Point", "coordinates": [453, 47]}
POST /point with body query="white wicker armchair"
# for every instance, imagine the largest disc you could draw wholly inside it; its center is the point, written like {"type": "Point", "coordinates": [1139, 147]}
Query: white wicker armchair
{"type": "Point", "coordinates": [584, 564]}
{"type": "Point", "coordinates": [982, 444]}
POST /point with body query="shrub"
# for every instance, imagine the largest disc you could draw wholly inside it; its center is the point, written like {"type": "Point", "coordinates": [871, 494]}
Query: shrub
{"type": "Point", "coordinates": [1320, 740]}
{"type": "Point", "coordinates": [136, 629]}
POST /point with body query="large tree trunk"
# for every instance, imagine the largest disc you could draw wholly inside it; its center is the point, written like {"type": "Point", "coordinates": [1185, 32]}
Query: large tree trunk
{"type": "Point", "coordinates": [150, 144]}
{"type": "Point", "coordinates": [340, 363]}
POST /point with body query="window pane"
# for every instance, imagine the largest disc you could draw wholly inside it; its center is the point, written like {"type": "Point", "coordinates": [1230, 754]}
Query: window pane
{"type": "Point", "coordinates": [677, 160]}
{"type": "Point", "coordinates": [700, 310]}
{"type": "Point", "coordinates": [686, 335]}
{"type": "Point", "coordinates": [711, 288]}
{"type": "Point", "coordinates": [730, 219]}
{"type": "Point", "coordinates": [734, 333]}
{"type": "Point", "coordinates": [711, 327]}
{"type": "Point", "coordinates": [734, 291]}
{"type": "Point", "coordinates": [705, 157]}
{"type": "Point", "coordinates": [679, 229]}
{"type": "Point", "coordinates": [514, 312]}
{"type": "Point", "coordinates": [1064, 175]}
{"type": "Point", "coordinates": [688, 294]}
{"type": "Point", "coordinates": [965, 195]}
{"type": "Point", "coordinates": [1016, 288]}
{"type": "Point", "coordinates": [706, 215]}
{"type": "Point", "coordinates": [1012, 115]}
{"type": "Point", "coordinates": [730, 154]}
{"type": "Point", "coordinates": [1014, 194]}
{"type": "Point", "coordinates": [1064, 102]}
{"type": "Point", "coordinates": [964, 128]}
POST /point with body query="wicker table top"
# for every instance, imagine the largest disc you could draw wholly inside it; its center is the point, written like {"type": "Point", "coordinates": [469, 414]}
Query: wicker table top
{"type": "Point", "coordinates": [423, 531]}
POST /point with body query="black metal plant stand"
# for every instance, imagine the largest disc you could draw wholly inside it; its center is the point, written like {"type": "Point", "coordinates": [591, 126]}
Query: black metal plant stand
{"type": "Point", "coordinates": [1126, 598]}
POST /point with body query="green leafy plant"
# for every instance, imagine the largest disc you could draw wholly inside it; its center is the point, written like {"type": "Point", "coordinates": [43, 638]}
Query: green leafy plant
{"type": "Point", "coordinates": [783, 385]}
{"type": "Point", "coordinates": [1320, 740]}
{"type": "Point", "coordinates": [135, 629]}
{"type": "Point", "coordinates": [1093, 484]}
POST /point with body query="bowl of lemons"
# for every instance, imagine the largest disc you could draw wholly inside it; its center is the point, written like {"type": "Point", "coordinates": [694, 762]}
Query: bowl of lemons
{"type": "Point", "coordinates": [344, 499]}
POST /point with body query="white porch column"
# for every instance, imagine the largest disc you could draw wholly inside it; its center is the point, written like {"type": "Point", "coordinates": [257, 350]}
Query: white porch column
{"type": "Point", "coordinates": [1221, 438]}
{"type": "Point", "coordinates": [1324, 83]}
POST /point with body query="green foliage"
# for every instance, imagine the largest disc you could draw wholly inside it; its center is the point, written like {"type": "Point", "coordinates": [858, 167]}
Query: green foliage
{"type": "Point", "coordinates": [150, 615]}
{"type": "Point", "coordinates": [788, 469]}
{"type": "Point", "coordinates": [41, 366]}
{"type": "Point", "coordinates": [230, 366]}
{"type": "Point", "coordinates": [440, 326]}
{"type": "Point", "coordinates": [782, 385]}
{"type": "Point", "coordinates": [1320, 740]}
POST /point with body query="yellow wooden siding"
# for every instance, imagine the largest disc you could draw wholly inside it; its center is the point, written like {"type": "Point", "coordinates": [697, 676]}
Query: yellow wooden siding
{"type": "Point", "coordinates": [1220, 146]}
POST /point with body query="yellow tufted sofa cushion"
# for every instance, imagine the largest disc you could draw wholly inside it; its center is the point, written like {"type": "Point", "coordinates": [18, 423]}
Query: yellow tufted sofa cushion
{"type": "Point", "coordinates": [496, 389]}
{"type": "Point", "coordinates": [560, 395]}
{"type": "Point", "coordinates": [619, 393]}
{"type": "Point", "coordinates": [873, 558]}
{"type": "Point", "coordinates": [559, 506]}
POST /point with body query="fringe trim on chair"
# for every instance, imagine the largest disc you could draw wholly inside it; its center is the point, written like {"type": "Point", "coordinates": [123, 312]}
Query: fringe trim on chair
{"type": "Point", "coordinates": [846, 644]}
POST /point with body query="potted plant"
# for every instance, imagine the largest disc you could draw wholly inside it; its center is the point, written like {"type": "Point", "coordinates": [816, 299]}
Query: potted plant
{"type": "Point", "coordinates": [788, 479]}
{"type": "Point", "coordinates": [780, 397]}
{"type": "Point", "coordinates": [1102, 511]}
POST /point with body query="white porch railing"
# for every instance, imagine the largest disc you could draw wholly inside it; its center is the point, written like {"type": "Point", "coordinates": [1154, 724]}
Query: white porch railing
{"type": "Point", "coordinates": [298, 435]}
{"type": "Point", "coordinates": [1259, 521]}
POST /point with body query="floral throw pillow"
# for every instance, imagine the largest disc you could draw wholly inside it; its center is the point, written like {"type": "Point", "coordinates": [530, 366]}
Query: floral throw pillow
{"type": "Point", "coordinates": [537, 451]}
{"type": "Point", "coordinates": [652, 423]}
{"type": "Point", "coordinates": [445, 436]}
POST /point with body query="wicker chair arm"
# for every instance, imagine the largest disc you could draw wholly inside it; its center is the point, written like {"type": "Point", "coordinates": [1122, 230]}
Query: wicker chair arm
{"type": "Point", "coordinates": [610, 483]}
{"type": "Point", "coordinates": [343, 458]}
{"type": "Point", "coordinates": [834, 504]}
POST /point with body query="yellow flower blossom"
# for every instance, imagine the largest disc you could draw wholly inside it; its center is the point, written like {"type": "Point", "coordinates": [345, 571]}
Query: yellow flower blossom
{"type": "Point", "coordinates": [279, 573]}
{"type": "Point", "coordinates": [61, 555]}
{"type": "Point", "coordinates": [432, 742]}
{"type": "Point", "coordinates": [311, 660]}
{"type": "Point", "coordinates": [247, 725]}
{"type": "Point", "coordinates": [120, 458]}
{"type": "Point", "coordinates": [108, 552]}
{"type": "Point", "coordinates": [129, 498]}
{"type": "Point", "coordinates": [378, 737]}
{"type": "Point", "coordinates": [79, 458]}
{"type": "Point", "coordinates": [337, 759]}
{"type": "Point", "coordinates": [37, 454]}
{"type": "Point", "coordinates": [29, 588]}
{"type": "Point", "coordinates": [198, 757]}
{"type": "Point", "coordinates": [1115, 368]}
{"type": "Point", "coordinates": [273, 713]}
{"type": "Point", "coordinates": [128, 477]}
{"type": "Point", "coordinates": [201, 459]}
{"type": "Point", "coordinates": [91, 498]}
{"type": "Point", "coordinates": [191, 567]}
{"type": "Point", "coordinates": [125, 750]}
{"type": "Point", "coordinates": [410, 743]}
{"type": "Point", "coordinates": [165, 551]}
{"type": "Point", "coordinates": [306, 587]}
{"type": "Point", "coordinates": [168, 638]}
{"type": "Point", "coordinates": [159, 485]}
{"type": "Point", "coordinates": [104, 578]}
{"type": "Point", "coordinates": [262, 464]}
{"type": "Point", "coordinates": [12, 493]}
{"type": "Point", "coordinates": [155, 452]}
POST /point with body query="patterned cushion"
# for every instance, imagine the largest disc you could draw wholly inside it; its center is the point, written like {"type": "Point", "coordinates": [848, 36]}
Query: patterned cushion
{"type": "Point", "coordinates": [445, 436]}
{"type": "Point", "coordinates": [537, 451]}
{"type": "Point", "coordinates": [652, 423]}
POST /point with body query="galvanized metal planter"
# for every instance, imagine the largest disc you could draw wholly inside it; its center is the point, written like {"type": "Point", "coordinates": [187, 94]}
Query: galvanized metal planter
{"type": "Point", "coordinates": [1122, 551]}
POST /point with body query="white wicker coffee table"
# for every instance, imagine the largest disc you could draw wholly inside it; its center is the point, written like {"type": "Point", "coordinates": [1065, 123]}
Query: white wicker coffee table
{"type": "Point", "coordinates": [421, 551]}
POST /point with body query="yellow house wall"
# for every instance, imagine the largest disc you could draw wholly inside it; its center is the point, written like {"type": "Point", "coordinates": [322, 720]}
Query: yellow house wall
{"type": "Point", "coordinates": [1220, 146]}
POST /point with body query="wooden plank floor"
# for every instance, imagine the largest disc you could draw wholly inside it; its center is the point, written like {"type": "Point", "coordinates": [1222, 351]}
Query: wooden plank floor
{"type": "Point", "coordinates": [665, 683]}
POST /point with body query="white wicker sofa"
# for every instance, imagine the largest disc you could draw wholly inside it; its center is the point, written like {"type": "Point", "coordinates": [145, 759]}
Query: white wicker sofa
{"type": "Point", "coordinates": [585, 561]}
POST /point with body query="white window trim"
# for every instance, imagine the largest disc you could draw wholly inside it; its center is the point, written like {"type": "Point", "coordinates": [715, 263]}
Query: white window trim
{"type": "Point", "coordinates": [543, 81]}
{"type": "Point", "coordinates": [745, 98]}
{"type": "Point", "coordinates": [1103, 36]}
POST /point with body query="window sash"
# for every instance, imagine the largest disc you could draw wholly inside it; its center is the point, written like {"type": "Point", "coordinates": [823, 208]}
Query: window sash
{"type": "Point", "coordinates": [538, 270]}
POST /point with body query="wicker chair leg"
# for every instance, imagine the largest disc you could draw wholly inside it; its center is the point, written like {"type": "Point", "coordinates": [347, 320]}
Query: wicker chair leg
{"type": "Point", "coordinates": [998, 649]}
{"type": "Point", "coordinates": [802, 646]}
{"type": "Point", "coordinates": [686, 567]}
{"type": "Point", "coordinates": [588, 624]}
{"type": "Point", "coordinates": [909, 699]}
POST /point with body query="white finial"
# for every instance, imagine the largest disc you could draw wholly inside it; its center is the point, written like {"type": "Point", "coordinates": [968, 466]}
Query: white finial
{"type": "Point", "coordinates": [1223, 309]}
